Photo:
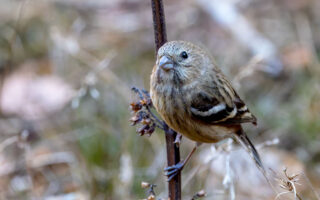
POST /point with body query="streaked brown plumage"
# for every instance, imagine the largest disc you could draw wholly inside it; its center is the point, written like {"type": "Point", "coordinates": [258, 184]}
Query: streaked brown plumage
{"type": "Point", "coordinates": [194, 97]}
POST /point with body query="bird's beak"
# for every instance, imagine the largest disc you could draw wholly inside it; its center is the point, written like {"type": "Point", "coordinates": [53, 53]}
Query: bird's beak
{"type": "Point", "coordinates": [166, 63]}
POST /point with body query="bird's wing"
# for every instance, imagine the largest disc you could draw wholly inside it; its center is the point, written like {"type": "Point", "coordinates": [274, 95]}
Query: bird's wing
{"type": "Point", "coordinates": [208, 107]}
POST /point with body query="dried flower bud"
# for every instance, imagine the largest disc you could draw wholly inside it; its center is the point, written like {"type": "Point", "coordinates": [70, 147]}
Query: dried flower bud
{"type": "Point", "coordinates": [151, 129]}
{"type": "Point", "coordinates": [135, 119]}
{"type": "Point", "coordinates": [143, 102]}
{"type": "Point", "coordinates": [145, 184]}
{"type": "Point", "coordinates": [143, 129]}
{"type": "Point", "coordinates": [135, 106]}
{"type": "Point", "coordinates": [143, 115]}
{"type": "Point", "coordinates": [146, 121]}
{"type": "Point", "coordinates": [146, 102]}
{"type": "Point", "coordinates": [201, 193]}
{"type": "Point", "coordinates": [151, 197]}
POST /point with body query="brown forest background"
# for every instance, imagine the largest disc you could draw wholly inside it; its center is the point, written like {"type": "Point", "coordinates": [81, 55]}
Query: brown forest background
{"type": "Point", "coordinates": [66, 69]}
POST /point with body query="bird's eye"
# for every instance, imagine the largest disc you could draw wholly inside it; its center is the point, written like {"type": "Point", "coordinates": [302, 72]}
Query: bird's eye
{"type": "Point", "coordinates": [184, 55]}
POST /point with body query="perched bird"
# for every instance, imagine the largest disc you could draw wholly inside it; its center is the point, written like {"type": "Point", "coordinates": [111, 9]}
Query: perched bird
{"type": "Point", "coordinates": [195, 98]}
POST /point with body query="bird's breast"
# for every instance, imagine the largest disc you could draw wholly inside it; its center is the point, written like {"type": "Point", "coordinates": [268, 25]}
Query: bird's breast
{"type": "Point", "coordinates": [172, 105]}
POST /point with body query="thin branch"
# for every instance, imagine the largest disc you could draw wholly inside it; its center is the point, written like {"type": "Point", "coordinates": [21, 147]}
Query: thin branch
{"type": "Point", "coordinates": [173, 153]}
{"type": "Point", "coordinates": [159, 24]}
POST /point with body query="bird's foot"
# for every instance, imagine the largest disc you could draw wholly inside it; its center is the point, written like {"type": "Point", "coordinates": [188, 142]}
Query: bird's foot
{"type": "Point", "coordinates": [173, 170]}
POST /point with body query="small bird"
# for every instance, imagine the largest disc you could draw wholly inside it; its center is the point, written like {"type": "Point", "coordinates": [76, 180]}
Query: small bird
{"type": "Point", "coordinates": [195, 98]}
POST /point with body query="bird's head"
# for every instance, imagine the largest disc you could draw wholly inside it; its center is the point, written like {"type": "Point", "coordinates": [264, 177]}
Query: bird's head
{"type": "Point", "coordinates": [179, 62]}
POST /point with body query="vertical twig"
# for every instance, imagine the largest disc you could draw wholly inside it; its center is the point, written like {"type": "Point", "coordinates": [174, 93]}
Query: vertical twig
{"type": "Point", "coordinates": [173, 153]}
{"type": "Point", "coordinates": [173, 157]}
{"type": "Point", "coordinates": [159, 23]}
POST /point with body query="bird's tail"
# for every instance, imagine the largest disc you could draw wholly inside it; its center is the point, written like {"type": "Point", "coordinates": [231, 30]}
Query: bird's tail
{"type": "Point", "coordinates": [247, 144]}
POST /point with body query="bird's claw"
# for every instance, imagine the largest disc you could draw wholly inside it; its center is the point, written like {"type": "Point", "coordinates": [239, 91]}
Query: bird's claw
{"type": "Point", "coordinates": [172, 171]}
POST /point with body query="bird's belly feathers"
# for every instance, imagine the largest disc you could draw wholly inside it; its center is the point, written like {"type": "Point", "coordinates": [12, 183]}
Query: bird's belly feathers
{"type": "Point", "coordinates": [203, 133]}
{"type": "Point", "coordinates": [176, 115]}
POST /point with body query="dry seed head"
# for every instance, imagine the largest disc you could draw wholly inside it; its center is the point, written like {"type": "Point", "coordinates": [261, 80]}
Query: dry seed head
{"type": "Point", "coordinates": [143, 129]}
{"type": "Point", "coordinates": [145, 185]}
{"type": "Point", "coordinates": [151, 129]}
{"type": "Point", "coordinates": [201, 193]}
{"type": "Point", "coordinates": [143, 102]}
{"type": "Point", "coordinates": [151, 197]}
{"type": "Point", "coordinates": [135, 106]}
{"type": "Point", "coordinates": [146, 121]}
{"type": "Point", "coordinates": [292, 177]}
{"type": "Point", "coordinates": [134, 120]}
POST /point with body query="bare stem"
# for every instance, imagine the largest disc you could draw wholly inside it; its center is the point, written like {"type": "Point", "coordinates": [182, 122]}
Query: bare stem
{"type": "Point", "coordinates": [173, 153]}
{"type": "Point", "coordinates": [159, 23]}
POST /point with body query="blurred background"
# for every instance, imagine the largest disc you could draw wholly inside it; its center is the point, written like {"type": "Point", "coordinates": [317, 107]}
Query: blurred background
{"type": "Point", "coordinates": [66, 69]}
